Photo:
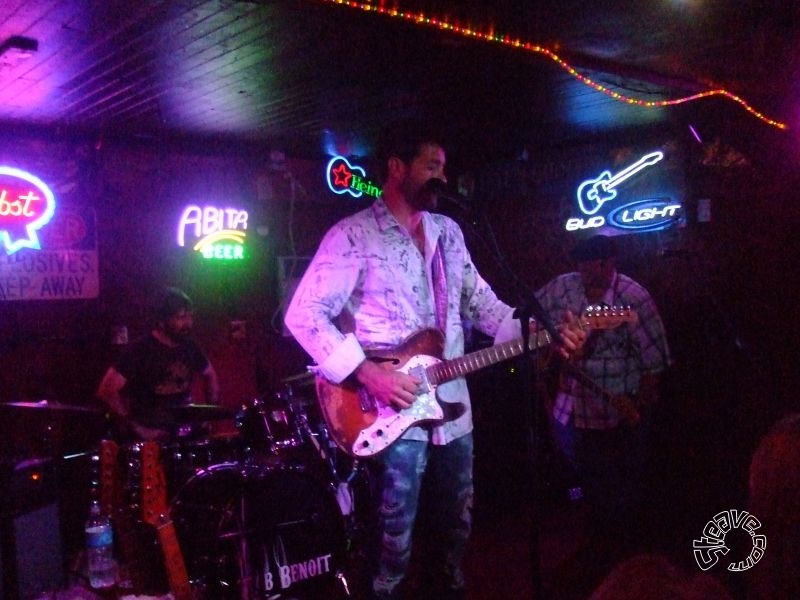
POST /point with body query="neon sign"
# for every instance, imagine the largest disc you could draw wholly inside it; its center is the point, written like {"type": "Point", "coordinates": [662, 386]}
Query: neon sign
{"type": "Point", "coordinates": [642, 215]}
{"type": "Point", "coordinates": [344, 178]}
{"type": "Point", "coordinates": [651, 214]}
{"type": "Point", "coordinates": [593, 193]}
{"type": "Point", "coordinates": [26, 205]}
{"type": "Point", "coordinates": [645, 215]}
{"type": "Point", "coordinates": [220, 232]}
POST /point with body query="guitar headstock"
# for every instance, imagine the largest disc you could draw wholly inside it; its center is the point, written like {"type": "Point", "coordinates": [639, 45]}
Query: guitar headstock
{"type": "Point", "coordinates": [607, 317]}
{"type": "Point", "coordinates": [110, 484]}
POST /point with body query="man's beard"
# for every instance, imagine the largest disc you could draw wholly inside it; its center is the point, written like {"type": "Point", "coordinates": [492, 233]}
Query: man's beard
{"type": "Point", "coordinates": [421, 198]}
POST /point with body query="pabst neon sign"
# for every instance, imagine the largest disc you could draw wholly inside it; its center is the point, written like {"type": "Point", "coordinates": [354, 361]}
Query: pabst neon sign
{"type": "Point", "coordinates": [650, 214]}
{"type": "Point", "coordinates": [26, 205]}
{"type": "Point", "coordinates": [344, 178]}
{"type": "Point", "coordinates": [216, 233]}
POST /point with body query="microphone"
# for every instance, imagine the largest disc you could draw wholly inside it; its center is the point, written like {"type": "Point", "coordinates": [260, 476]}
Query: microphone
{"type": "Point", "coordinates": [437, 186]}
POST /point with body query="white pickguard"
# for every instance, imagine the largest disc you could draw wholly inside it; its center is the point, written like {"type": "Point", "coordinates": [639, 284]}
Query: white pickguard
{"type": "Point", "coordinates": [392, 423]}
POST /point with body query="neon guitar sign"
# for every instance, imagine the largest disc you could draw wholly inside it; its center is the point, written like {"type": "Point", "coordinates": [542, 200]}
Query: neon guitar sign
{"type": "Point", "coordinates": [344, 178]}
{"type": "Point", "coordinates": [593, 193]}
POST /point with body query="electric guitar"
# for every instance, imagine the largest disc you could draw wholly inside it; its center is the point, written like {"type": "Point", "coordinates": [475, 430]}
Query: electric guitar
{"type": "Point", "coordinates": [156, 512]}
{"type": "Point", "coordinates": [116, 500]}
{"type": "Point", "coordinates": [624, 405]}
{"type": "Point", "coordinates": [593, 193]}
{"type": "Point", "coordinates": [363, 427]}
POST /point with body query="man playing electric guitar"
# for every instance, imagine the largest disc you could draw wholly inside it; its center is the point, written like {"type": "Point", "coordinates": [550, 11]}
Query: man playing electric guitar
{"type": "Point", "coordinates": [604, 445]}
{"type": "Point", "coordinates": [378, 277]}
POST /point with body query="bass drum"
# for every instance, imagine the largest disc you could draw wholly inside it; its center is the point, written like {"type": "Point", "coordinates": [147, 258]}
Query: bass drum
{"type": "Point", "coordinates": [255, 532]}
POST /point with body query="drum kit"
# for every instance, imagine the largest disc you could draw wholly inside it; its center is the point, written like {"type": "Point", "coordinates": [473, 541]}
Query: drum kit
{"type": "Point", "coordinates": [272, 510]}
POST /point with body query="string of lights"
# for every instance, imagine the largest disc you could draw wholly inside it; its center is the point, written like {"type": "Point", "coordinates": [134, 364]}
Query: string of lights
{"type": "Point", "coordinates": [422, 19]}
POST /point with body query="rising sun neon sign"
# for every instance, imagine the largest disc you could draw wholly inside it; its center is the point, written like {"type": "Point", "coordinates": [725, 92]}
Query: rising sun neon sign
{"type": "Point", "coordinates": [26, 205]}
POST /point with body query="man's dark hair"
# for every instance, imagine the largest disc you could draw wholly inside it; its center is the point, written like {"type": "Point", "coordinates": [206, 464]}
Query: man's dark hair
{"type": "Point", "coordinates": [403, 139]}
{"type": "Point", "coordinates": [170, 301]}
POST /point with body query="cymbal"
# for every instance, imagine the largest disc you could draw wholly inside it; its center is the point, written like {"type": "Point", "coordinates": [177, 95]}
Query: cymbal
{"type": "Point", "coordinates": [45, 405]}
{"type": "Point", "coordinates": [203, 412]}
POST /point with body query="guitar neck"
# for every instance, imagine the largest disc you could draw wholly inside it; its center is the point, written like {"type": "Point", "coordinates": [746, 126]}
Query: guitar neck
{"type": "Point", "coordinates": [475, 361]}
{"type": "Point", "coordinates": [622, 403]}
{"type": "Point", "coordinates": [155, 512]}
{"type": "Point", "coordinates": [173, 561]}
{"type": "Point", "coordinates": [583, 378]}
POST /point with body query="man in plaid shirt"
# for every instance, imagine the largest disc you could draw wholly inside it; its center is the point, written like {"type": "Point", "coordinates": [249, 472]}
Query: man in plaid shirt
{"type": "Point", "coordinates": [619, 368]}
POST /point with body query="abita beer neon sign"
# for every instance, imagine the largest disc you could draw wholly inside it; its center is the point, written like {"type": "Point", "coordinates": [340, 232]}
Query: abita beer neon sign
{"type": "Point", "coordinates": [219, 232]}
{"type": "Point", "coordinates": [649, 214]}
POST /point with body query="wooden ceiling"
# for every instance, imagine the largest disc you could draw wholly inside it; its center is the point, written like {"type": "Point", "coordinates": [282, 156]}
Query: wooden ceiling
{"type": "Point", "coordinates": [317, 75]}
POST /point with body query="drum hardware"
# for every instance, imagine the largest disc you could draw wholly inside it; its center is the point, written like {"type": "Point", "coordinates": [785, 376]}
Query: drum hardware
{"type": "Point", "coordinates": [267, 512]}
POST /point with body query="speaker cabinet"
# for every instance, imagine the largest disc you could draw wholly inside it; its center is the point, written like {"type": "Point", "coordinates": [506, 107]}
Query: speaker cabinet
{"type": "Point", "coordinates": [32, 559]}
{"type": "Point", "coordinates": [31, 553]}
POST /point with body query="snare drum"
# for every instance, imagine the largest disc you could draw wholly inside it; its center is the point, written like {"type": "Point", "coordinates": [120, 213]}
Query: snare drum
{"type": "Point", "coordinates": [252, 531]}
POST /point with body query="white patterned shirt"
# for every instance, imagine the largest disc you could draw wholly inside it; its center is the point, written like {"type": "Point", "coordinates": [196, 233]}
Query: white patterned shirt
{"type": "Point", "coordinates": [368, 288]}
{"type": "Point", "coordinates": [613, 358]}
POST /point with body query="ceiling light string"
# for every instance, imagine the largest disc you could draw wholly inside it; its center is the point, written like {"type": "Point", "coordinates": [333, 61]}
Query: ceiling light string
{"type": "Point", "coordinates": [420, 18]}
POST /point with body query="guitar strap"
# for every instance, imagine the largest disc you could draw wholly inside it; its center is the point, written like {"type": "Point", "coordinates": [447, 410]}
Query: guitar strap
{"type": "Point", "coordinates": [439, 277]}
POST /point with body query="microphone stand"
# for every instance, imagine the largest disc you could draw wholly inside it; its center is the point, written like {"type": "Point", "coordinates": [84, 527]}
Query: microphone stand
{"type": "Point", "coordinates": [529, 307]}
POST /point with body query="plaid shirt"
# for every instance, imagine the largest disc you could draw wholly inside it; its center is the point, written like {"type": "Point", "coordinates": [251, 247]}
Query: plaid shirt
{"type": "Point", "coordinates": [615, 358]}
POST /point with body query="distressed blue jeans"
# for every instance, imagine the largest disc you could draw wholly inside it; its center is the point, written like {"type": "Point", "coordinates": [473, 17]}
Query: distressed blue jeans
{"type": "Point", "coordinates": [444, 476]}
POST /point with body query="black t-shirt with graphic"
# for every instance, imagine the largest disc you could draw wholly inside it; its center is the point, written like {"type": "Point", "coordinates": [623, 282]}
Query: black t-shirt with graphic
{"type": "Point", "coordinates": [159, 378]}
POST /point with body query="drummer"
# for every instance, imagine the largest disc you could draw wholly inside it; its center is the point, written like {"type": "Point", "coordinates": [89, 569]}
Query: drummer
{"type": "Point", "coordinates": [155, 376]}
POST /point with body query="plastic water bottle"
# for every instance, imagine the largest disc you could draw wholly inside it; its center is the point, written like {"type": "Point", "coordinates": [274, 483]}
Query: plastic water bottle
{"type": "Point", "coordinates": [101, 566]}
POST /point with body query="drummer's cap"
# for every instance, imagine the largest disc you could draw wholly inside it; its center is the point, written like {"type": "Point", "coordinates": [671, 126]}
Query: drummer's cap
{"type": "Point", "coordinates": [169, 301]}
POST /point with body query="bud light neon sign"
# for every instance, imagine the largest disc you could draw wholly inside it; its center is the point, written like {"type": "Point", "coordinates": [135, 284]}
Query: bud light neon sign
{"type": "Point", "coordinates": [597, 196]}
{"type": "Point", "coordinates": [344, 178]}
{"type": "Point", "coordinates": [645, 215]}
{"type": "Point", "coordinates": [26, 205]}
